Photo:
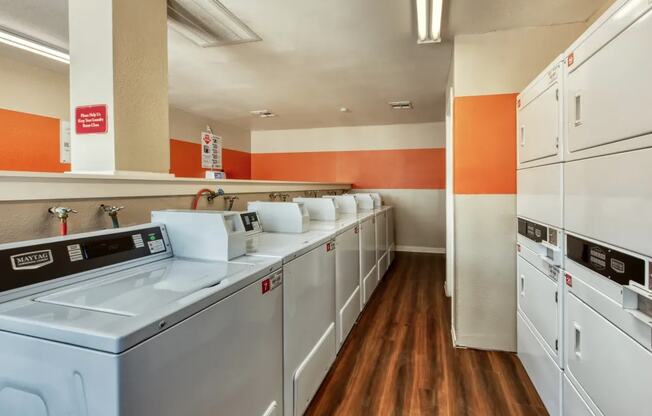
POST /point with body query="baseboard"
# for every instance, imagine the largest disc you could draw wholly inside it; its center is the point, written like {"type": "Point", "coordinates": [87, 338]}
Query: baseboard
{"type": "Point", "coordinates": [420, 249]}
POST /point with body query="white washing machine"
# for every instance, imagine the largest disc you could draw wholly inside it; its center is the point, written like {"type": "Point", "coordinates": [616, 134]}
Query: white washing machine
{"type": "Point", "coordinates": [326, 216]}
{"type": "Point", "coordinates": [111, 323]}
{"type": "Point", "coordinates": [391, 239]}
{"type": "Point", "coordinates": [540, 308]}
{"type": "Point", "coordinates": [309, 335]}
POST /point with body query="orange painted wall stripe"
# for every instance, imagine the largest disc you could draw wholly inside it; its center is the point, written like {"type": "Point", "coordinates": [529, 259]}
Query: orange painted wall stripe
{"type": "Point", "coordinates": [485, 144]}
{"type": "Point", "coordinates": [373, 169]}
{"type": "Point", "coordinates": [29, 142]}
{"type": "Point", "coordinates": [185, 161]}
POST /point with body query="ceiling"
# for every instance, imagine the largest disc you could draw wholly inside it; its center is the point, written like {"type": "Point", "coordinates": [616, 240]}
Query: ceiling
{"type": "Point", "coordinates": [317, 56]}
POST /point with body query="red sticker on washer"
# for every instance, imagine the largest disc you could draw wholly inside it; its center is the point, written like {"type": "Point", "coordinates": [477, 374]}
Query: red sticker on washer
{"type": "Point", "coordinates": [330, 246]}
{"type": "Point", "coordinates": [571, 59]}
{"type": "Point", "coordinates": [569, 280]}
{"type": "Point", "coordinates": [266, 284]}
{"type": "Point", "coordinates": [357, 229]}
{"type": "Point", "coordinates": [518, 247]}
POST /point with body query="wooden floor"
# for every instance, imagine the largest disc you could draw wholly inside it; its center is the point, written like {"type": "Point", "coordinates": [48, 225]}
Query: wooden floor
{"type": "Point", "coordinates": [399, 360]}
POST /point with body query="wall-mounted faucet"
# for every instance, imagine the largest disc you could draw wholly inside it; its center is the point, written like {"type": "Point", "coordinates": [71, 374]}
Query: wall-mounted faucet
{"type": "Point", "coordinates": [210, 196]}
{"type": "Point", "coordinates": [284, 197]}
{"type": "Point", "coordinates": [62, 214]}
{"type": "Point", "coordinates": [112, 212]}
{"type": "Point", "coordinates": [229, 200]}
{"type": "Point", "coordinates": [273, 196]}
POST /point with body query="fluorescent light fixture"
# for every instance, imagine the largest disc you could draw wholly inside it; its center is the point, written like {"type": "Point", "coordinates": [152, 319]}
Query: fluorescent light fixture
{"type": "Point", "coordinates": [429, 20]}
{"type": "Point", "coordinates": [208, 23]}
{"type": "Point", "coordinates": [263, 113]}
{"type": "Point", "coordinates": [29, 45]}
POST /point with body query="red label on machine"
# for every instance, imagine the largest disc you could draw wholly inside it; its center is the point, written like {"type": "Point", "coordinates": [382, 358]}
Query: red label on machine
{"type": "Point", "coordinates": [91, 119]}
{"type": "Point", "coordinates": [518, 102]}
{"type": "Point", "coordinates": [569, 280]}
{"type": "Point", "coordinates": [571, 59]}
{"type": "Point", "coordinates": [357, 229]}
{"type": "Point", "coordinates": [518, 247]}
{"type": "Point", "coordinates": [266, 285]}
{"type": "Point", "coordinates": [330, 246]}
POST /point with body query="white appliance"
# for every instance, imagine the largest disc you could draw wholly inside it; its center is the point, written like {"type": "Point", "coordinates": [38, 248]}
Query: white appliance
{"type": "Point", "coordinates": [282, 217]}
{"type": "Point", "coordinates": [347, 203]}
{"type": "Point", "coordinates": [368, 257]}
{"type": "Point", "coordinates": [111, 323]}
{"type": "Point", "coordinates": [539, 118]}
{"type": "Point", "coordinates": [391, 239]}
{"type": "Point", "coordinates": [608, 353]}
{"type": "Point", "coordinates": [309, 335]}
{"type": "Point", "coordinates": [320, 209]}
{"type": "Point", "coordinates": [540, 308]}
{"type": "Point", "coordinates": [365, 202]}
{"type": "Point", "coordinates": [382, 257]}
{"type": "Point", "coordinates": [347, 268]}
{"type": "Point", "coordinates": [609, 130]}
{"type": "Point", "coordinates": [607, 198]}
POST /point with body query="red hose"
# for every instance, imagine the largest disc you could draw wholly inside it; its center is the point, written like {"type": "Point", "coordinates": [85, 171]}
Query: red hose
{"type": "Point", "coordinates": [198, 195]}
{"type": "Point", "coordinates": [63, 227]}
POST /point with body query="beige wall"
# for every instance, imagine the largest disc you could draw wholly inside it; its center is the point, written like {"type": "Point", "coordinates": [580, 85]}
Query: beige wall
{"type": "Point", "coordinates": [188, 127]}
{"type": "Point", "coordinates": [391, 136]}
{"type": "Point", "coordinates": [506, 61]}
{"type": "Point", "coordinates": [502, 62]}
{"type": "Point", "coordinates": [26, 220]}
{"type": "Point", "coordinates": [28, 88]}
{"type": "Point", "coordinates": [420, 213]}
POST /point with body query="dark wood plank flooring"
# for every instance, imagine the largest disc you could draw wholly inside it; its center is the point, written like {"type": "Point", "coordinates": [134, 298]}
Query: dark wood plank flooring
{"type": "Point", "coordinates": [399, 358]}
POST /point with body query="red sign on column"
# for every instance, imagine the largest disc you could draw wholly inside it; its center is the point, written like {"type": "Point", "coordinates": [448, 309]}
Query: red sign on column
{"type": "Point", "coordinates": [91, 119]}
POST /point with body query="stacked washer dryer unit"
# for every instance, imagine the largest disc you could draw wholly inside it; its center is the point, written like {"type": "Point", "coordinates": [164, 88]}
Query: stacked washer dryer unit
{"type": "Point", "coordinates": [309, 336]}
{"type": "Point", "coordinates": [539, 254]}
{"type": "Point", "coordinates": [326, 214]}
{"type": "Point", "coordinates": [112, 323]}
{"type": "Point", "coordinates": [368, 250]}
{"type": "Point", "coordinates": [608, 201]}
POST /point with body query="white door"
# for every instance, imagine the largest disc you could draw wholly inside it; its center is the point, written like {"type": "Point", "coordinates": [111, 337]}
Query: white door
{"type": "Point", "coordinates": [539, 126]}
{"type": "Point", "coordinates": [609, 93]}
{"type": "Point", "coordinates": [309, 341]}
{"type": "Point", "coordinates": [614, 370]}
{"type": "Point", "coordinates": [347, 283]}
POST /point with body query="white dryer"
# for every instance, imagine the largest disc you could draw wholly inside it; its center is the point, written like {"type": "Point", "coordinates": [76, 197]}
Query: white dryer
{"type": "Point", "coordinates": [111, 323]}
{"type": "Point", "coordinates": [325, 216]}
{"type": "Point", "coordinates": [309, 335]}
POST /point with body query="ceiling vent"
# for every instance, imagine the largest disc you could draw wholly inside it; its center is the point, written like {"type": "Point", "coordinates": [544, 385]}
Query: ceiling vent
{"type": "Point", "coordinates": [208, 23]}
{"type": "Point", "coordinates": [401, 105]}
{"type": "Point", "coordinates": [263, 113]}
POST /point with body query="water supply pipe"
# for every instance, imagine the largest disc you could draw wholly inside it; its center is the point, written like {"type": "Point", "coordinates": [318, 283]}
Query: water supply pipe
{"type": "Point", "coordinates": [229, 200]}
{"type": "Point", "coordinates": [112, 212]}
{"type": "Point", "coordinates": [210, 195]}
{"type": "Point", "coordinates": [62, 214]}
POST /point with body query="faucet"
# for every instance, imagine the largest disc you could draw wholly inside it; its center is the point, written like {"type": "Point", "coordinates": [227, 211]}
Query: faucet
{"type": "Point", "coordinates": [112, 212]}
{"type": "Point", "coordinates": [62, 214]}
{"type": "Point", "coordinates": [229, 200]}
{"type": "Point", "coordinates": [273, 196]}
{"type": "Point", "coordinates": [284, 197]}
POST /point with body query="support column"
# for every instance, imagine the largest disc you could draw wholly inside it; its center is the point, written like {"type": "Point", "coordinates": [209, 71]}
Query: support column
{"type": "Point", "coordinates": [119, 86]}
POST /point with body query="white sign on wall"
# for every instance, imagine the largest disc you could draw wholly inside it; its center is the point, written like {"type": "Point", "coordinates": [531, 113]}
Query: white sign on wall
{"type": "Point", "coordinates": [64, 141]}
{"type": "Point", "coordinates": [211, 151]}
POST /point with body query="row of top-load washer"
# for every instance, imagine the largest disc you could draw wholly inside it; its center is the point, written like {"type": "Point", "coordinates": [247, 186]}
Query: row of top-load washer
{"type": "Point", "coordinates": [584, 196]}
{"type": "Point", "coordinates": [199, 312]}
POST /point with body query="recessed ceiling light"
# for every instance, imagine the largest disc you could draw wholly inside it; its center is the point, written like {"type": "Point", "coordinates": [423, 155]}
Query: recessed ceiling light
{"type": "Point", "coordinates": [263, 113]}
{"type": "Point", "coordinates": [344, 110]}
{"type": "Point", "coordinates": [401, 105]}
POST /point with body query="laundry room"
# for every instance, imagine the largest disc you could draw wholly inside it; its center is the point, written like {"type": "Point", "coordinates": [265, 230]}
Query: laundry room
{"type": "Point", "coordinates": [300, 207]}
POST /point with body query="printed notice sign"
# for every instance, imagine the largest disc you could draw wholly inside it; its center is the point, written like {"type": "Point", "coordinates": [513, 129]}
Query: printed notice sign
{"type": "Point", "coordinates": [211, 151]}
{"type": "Point", "coordinates": [64, 141]}
{"type": "Point", "coordinates": [91, 119]}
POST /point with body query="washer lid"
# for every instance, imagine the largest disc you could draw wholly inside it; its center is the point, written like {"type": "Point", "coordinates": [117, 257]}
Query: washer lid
{"type": "Point", "coordinates": [141, 292]}
{"type": "Point", "coordinates": [115, 311]}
